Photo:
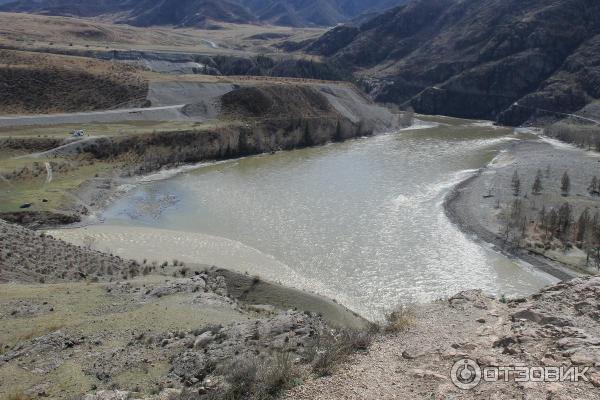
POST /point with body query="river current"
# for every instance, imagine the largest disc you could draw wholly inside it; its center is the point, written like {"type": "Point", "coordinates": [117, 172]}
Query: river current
{"type": "Point", "coordinates": [361, 221]}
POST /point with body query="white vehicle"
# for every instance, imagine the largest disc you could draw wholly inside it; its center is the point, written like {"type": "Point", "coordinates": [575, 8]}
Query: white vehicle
{"type": "Point", "coordinates": [78, 133]}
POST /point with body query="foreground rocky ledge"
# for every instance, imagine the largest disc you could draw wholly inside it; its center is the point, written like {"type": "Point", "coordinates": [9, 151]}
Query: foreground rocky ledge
{"type": "Point", "coordinates": [560, 326]}
{"type": "Point", "coordinates": [75, 320]}
{"type": "Point", "coordinates": [557, 327]}
{"type": "Point", "coordinates": [172, 331]}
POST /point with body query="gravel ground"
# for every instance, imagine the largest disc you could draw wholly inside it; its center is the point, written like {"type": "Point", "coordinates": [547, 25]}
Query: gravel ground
{"type": "Point", "coordinates": [541, 330]}
{"type": "Point", "coordinates": [470, 207]}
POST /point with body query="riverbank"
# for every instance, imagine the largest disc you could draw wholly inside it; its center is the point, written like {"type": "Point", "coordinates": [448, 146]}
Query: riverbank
{"type": "Point", "coordinates": [556, 327]}
{"type": "Point", "coordinates": [476, 203]}
{"type": "Point", "coordinates": [74, 320]}
{"type": "Point", "coordinates": [222, 121]}
{"type": "Point", "coordinates": [346, 220]}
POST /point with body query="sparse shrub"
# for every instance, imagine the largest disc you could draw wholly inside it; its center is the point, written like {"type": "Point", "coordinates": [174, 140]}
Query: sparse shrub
{"type": "Point", "coordinates": [255, 378]}
{"type": "Point", "coordinates": [399, 319]}
{"type": "Point", "coordinates": [18, 396]}
{"type": "Point", "coordinates": [331, 349]}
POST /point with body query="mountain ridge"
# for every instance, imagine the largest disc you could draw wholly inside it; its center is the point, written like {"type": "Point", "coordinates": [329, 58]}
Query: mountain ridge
{"type": "Point", "coordinates": [495, 59]}
{"type": "Point", "coordinates": [195, 13]}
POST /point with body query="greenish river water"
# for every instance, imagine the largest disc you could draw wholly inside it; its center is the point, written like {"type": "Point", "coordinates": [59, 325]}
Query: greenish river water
{"type": "Point", "coordinates": [361, 221]}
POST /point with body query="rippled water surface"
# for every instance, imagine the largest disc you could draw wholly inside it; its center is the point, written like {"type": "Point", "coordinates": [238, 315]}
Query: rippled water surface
{"type": "Point", "coordinates": [362, 220]}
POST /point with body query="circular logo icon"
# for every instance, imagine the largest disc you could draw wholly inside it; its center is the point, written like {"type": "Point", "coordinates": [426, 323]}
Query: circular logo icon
{"type": "Point", "coordinates": [465, 374]}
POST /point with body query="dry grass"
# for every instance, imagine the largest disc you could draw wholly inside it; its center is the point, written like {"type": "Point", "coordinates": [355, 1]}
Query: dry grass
{"type": "Point", "coordinates": [17, 396]}
{"type": "Point", "coordinates": [39, 330]}
{"type": "Point", "coordinates": [255, 378]}
{"type": "Point", "coordinates": [332, 349]}
{"type": "Point", "coordinates": [399, 319]}
{"type": "Point", "coordinates": [28, 256]}
{"type": "Point", "coordinates": [49, 32]}
{"type": "Point", "coordinates": [65, 84]}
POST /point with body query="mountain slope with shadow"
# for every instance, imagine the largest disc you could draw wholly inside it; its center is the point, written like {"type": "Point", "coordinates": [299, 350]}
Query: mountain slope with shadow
{"type": "Point", "coordinates": [505, 60]}
{"type": "Point", "coordinates": [199, 13]}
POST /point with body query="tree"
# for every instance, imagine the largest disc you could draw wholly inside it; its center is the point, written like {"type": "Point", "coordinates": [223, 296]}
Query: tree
{"type": "Point", "coordinates": [337, 137]}
{"type": "Point", "coordinates": [565, 184]}
{"type": "Point", "coordinates": [537, 183]}
{"type": "Point", "coordinates": [582, 225]}
{"type": "Point", "coordinates": [516, 212]}
{"type": "Point", "coordinates": [307, 137]}
{"type": "Point", "coordinates": [591, 241]}
{"type": "Point", "coordinates": [551, 223]}
{"type": "Point", "coordinates": [89, 242]}
{"type": "Point", "coordinates": [542, 216]}
{"type": "Point", "coordinates": [565, 219]}
{"type": "Point", "coordinates": [516, 184]}
{"type": "Point", "coordinates": [594, 188]}
{"type": "Point", "coordinates": [406, 119]}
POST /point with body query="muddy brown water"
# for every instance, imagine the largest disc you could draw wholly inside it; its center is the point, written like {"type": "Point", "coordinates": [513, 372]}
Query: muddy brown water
{"type": "Point", "coordinates": [361, 221]}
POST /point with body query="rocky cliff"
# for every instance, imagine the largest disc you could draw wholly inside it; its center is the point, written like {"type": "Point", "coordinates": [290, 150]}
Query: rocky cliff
{"type": "Point", "coordinates": [495, 59]}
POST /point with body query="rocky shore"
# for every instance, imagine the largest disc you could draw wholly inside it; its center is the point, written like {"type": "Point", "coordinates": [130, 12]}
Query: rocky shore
{"type": "Point", "coordinates": [224, 121]}
{"type": "Point", "coordinates": [459, 210]}
{"type": "Point", "coordinates": [75, 321]}
{"type": "Point", "coordinates": [475, 204]}
{"type": "Point", "coordinates": [558, 326]}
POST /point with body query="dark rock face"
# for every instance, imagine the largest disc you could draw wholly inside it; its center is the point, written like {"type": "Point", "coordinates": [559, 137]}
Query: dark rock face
{"type": "Point", "coordinates": [334, 40]}
{"type": "Point", "coordinates": [495, 59]}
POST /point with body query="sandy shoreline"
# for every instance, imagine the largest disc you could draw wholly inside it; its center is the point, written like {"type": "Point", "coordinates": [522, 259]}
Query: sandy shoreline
{"type": "Point", "coordinates": [461, 208]}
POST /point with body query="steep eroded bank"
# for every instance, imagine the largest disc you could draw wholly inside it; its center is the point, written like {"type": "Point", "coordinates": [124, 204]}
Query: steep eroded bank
{"type": "Point", "coordinates": [224, 121]}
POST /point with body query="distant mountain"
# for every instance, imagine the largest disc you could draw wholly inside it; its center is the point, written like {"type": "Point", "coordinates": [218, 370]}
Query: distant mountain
{"type": "Point", "coordinates": [196, 12]}
{"type": "Point", "coordinates": [314, 12]}
{"type": "Point", "coordinates": [187, 12]}
{"type": "Point", "coordinates": [496, 59]}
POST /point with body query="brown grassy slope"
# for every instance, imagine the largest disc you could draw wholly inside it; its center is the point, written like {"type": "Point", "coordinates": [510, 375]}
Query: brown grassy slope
{"type": "Point", "coordinates": [26, 31]}
{"type": "Point", "coordinates": [276, 101]}
{"type": "Point", "coordinates": [27, 256]}
{"type": "Point", "coordinates": [42, 83]}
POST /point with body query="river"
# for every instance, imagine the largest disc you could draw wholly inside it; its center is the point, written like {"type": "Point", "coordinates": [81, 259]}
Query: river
{"type": "Point", "coordinates": [360, 221]}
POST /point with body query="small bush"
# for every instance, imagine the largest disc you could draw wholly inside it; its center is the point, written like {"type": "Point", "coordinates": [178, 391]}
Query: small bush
{"type": "Point", "coordinates": [399, 319]}
{"type": "Point", "coordinates": [331, 349]}
{"type": "Point", "coordinates": [255, 378]}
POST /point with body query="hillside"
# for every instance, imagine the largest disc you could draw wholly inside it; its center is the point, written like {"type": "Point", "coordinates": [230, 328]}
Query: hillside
{"type": "Point", "coordinates": [90, 322]}
{"type": "Point", "coordinates": [187, 13]}
{"type": "Point", "coordinates": [477, 58]}
{"type": "Point", "coordinates": [65, 84]}
{"type": "Point", "coordinates": [200, 13]}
